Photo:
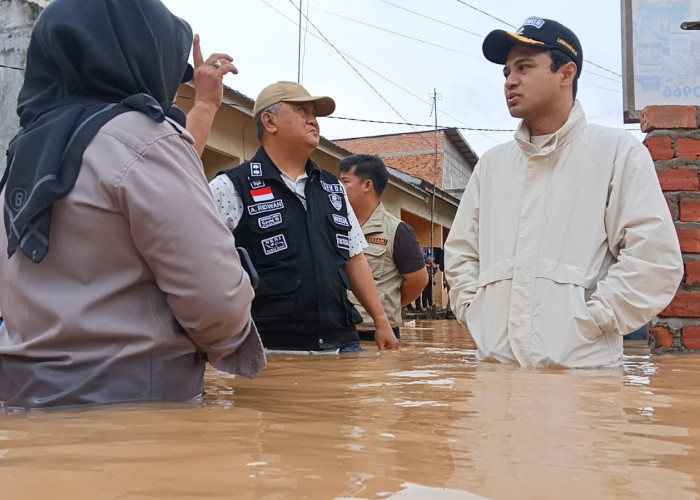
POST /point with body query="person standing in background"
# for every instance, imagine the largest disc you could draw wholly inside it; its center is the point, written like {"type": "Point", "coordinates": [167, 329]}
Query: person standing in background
{"type": "Point", "coordinates": [393, 253]}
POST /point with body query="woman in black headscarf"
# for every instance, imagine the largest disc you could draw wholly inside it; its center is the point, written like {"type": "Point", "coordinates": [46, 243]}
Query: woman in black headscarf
{"type": "Point", "coordinates": [125, 281]}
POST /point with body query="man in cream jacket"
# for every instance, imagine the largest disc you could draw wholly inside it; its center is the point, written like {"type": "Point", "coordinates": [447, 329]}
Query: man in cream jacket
{"type": "Point", "coordinates": [563, 241]}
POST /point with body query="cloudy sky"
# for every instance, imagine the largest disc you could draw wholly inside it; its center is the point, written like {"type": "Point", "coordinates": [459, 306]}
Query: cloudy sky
{"type": "Point", "coordinates": [381, 60]}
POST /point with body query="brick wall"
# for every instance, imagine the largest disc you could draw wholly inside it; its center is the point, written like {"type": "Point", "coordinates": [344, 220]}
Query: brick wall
{"type": "Point", "coordinates": [674, 143]}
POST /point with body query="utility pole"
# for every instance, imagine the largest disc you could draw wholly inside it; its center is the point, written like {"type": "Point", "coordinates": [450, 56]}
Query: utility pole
{"type": "Point", "coordinates": [435, 167]}
{"type": "Point", "coordinates": [299, 47]}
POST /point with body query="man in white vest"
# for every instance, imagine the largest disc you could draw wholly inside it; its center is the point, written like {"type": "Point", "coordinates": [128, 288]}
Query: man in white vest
{"type": "Point", "coordinates": [394, 254]}
{"type": "Point", "coordinates": [563, 241]}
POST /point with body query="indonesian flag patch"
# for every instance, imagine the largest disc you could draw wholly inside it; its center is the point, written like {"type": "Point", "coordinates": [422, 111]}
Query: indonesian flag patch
{"type": "Point", "coordinates": [262, 194]}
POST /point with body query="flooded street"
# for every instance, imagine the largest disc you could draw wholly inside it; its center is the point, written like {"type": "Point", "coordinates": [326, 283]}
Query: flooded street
{"type": "Point", "coordinates": [426, 422]}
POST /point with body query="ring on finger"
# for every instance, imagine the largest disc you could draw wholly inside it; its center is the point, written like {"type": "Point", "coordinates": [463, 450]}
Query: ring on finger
{"type": "Point", "coordinates": [216, 63]}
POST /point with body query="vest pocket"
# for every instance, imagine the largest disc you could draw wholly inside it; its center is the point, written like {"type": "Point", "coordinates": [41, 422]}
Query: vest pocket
{"type": "Point", "coordinates": [375, 255]}
{"type": "Point", "coordinates": [341, 228]}
{"type": "Point", "coordinates": [277, 282]}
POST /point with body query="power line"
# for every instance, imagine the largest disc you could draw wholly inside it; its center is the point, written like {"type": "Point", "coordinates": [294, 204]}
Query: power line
{"type": "Point", "coordinates": [432, 18]}
{"type": "Point", "coordinates": [397, 33]}
{"type": "Point", "coordinates": [11, 67]}
{"type": "Point", "coordinates": [441, 127]}
{"type": "Point", "coordinates": [487, 14]}
{"type": "Point", "coordinates": [515, 27]}
{"type": "Point", "coordinates": [344, 59]}
{"type": "Point", "coordinates": [367, 120]}
{"type": "Point", "coordinates": [388, 80]}
{"type": "Point", "coordinates": [348, 62]}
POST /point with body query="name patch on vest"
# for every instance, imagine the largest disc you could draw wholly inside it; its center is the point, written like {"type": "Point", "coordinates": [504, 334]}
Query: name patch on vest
{"type": "Point", "coordinates": [332, 188]}
{"type": "Point", "coordinates": [275, 244]}
{"type": "Point", "coordinates": [336, 201]}
{"type": "Point", "coordinates": [342, 241]}
{"type": "Point", "coordinates": [257, 184]}
{"type": "Point", "coordinates": [339, 219]}
{"type": "Point", "coordinates": [269, 206]}
{"type": "Point", "coordinates": [270, 220]}
{"type": "Point", "coordinates": [377, 240]}
{"type": "Point", "coordinates": [256, 170]}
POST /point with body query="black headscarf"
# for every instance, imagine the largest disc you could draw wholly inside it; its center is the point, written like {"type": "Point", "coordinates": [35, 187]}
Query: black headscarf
{"type": "Point", "coordinates": [87, 62]}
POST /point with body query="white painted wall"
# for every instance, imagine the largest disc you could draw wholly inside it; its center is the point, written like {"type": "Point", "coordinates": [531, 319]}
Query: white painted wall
{"type": "Point", "coordinates": [17, 17]}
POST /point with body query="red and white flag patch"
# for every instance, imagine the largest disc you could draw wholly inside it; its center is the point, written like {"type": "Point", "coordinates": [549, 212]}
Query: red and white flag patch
{"type": "Point", "coordinates": [262, 194]}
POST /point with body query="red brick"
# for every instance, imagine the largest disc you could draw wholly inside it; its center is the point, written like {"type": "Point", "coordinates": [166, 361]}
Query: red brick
{"type": "Point", "coordinates": [689, 240]}
{"type": "Point", "coordinates": [684, 305]}
{"type": "Point", "coordinates": [661, 148]}
{"type": "Point", "coordinates": [691, 337]}
{"type": "Point", "coordinates": [679, 179]}
{"type": "Point", "coordinates": [692, 273]}
{"type": "Point", "coordinates": [656, 117]}
{"type": "Point", "coordinates": [663, 336]}
{"type": "Point", "coordinates": [690, 210]}
{"type": "Point", "coordinates": [688, 148]}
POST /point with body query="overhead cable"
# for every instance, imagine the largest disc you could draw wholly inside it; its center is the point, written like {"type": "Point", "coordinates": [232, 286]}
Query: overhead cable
{"type": "Point", "coordinates": [515, 27]}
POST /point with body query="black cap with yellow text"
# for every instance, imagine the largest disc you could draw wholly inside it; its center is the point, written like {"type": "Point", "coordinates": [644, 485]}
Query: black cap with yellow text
{"type": "Point", "coordinates": [538, 33]}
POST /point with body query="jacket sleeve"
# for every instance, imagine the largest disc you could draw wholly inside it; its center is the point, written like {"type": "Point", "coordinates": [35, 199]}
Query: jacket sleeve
{"type": "Point", "coordinates": [462, 250]}
{"type": "Point", "coordinates": [176, 228]}
{"type": "Point", "coordinates": [648, 265]}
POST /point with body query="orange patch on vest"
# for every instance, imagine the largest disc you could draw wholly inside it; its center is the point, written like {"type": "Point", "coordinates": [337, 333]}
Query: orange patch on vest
{"type": "Point", "coordinates": [378, 241]}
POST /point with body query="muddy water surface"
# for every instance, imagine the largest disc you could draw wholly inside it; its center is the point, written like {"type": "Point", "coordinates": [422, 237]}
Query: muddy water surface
{"type": "Point", "coordinates": [426, 422]}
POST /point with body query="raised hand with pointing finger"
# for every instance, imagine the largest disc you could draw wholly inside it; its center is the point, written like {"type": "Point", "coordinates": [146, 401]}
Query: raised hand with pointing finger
{"type": "Point", "coordinates": [209, 92]}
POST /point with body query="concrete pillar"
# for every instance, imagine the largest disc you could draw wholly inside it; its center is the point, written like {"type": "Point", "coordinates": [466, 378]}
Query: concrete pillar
{"type": "Point", "coordinates": [674, 143]}
{"type": "Point", "coordinates": [17, 17]}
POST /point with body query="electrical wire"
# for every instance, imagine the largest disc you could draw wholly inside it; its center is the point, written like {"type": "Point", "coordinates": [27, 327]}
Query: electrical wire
{"type": "Point", "coordinates": [432, 19]}
{"type": "Point", "coordinates": [515, 27]}
{"type": "Point", "coordinates": [11, 67]}
{"type": "Point", "coordinates": [379, 94]}
{"type": "Point", "coordinates": [366, 120]}
{"type": "Point", "coordinates": [398, 34]}
{"type": "Point", "coordinates": [391, 82]}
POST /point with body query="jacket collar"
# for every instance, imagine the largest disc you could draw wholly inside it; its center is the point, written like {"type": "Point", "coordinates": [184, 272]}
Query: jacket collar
{"type": "Point", "coordinates": [271, 171]}
{"type": "Point", "coordinates": [576, 120]}
{"type": "Point", "coordinates": [375, 221]}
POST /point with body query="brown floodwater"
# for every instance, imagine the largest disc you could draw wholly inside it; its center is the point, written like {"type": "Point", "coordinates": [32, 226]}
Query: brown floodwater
{"type": "Point", "coordinates": [425, 422]}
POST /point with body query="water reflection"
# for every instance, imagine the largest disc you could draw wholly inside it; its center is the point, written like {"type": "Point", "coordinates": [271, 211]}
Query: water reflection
{"type": "Point", "coordinates": [425, 422]}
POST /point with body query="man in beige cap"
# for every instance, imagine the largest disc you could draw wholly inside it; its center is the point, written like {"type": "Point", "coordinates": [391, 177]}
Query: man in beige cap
{"type": "Point", "coordinates": [300, 230]}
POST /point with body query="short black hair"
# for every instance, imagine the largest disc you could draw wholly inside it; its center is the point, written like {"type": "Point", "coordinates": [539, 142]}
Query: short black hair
{"type": "Point", "coordinates": [368, 167]}
{"type": "Point", "coordinates": [273, 109]}
{"type": "Point", "coordinates": [559, 59]}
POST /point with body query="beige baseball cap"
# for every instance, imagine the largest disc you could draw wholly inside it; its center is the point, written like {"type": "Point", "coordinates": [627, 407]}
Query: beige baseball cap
{"type": "Point", "coordinates": [291, 92]}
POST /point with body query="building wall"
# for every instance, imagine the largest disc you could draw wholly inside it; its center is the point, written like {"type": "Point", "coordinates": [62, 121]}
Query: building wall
{"type": "Point", "coordinates": [674, 143]}
{"type": "Point", "coordinates": [17, 17]}
{"type": "Point", "coordinates": [455, 169]}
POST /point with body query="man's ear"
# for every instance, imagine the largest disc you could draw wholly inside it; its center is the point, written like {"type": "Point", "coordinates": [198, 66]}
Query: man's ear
{"type": "Point", "coordinates": [367, 185]}
{"type": "Point", "coordinates": [268, 121]}
{"type": "Point", "coordinates": [568, 72]}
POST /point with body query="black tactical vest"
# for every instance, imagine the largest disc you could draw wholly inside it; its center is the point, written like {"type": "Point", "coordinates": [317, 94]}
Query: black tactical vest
{"type": "Point", "coordinates": [301, 301]}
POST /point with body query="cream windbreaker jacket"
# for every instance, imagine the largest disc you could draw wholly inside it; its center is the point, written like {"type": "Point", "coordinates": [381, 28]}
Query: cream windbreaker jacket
{"type": "Point", "coordinates": [554, 255]}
